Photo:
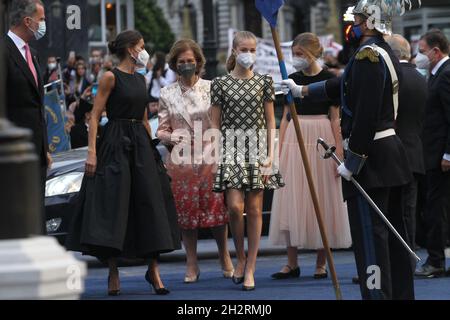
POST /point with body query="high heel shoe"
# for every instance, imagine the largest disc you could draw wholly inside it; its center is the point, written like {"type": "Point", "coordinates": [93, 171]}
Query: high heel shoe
{"type": "Point", "coordinates": [115, 292]}
{"type": "Point", "coordinates": [239, 280]}
{"type": "Point", "coordinates": [249, 288]}
{"type": "Point", "coordinates": [228, 274]}
{"type": "Point", "coordinates": [192, 279]}
{"type": "Point", "coordinates": [158, 291]}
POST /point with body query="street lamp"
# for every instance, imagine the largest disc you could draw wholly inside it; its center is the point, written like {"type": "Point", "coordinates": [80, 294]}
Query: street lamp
{"type": "Point", "coordinates": [31, 266]}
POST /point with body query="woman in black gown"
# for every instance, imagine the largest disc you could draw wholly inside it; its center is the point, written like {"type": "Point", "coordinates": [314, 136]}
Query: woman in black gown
{"type": "Point", "coordinates": [126, 207]}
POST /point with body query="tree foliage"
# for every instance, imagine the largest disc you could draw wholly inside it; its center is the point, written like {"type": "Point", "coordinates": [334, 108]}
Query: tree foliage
{"type": "Point", "coordinates": [150, 21]}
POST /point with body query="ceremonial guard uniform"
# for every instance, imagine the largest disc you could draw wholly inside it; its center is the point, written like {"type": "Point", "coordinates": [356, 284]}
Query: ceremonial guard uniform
{"type": "Point", "coordinates": [375, 157]}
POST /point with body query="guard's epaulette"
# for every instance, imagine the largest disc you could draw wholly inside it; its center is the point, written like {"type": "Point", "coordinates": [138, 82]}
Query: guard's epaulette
{"type": "Point", "coordinates": [370, 53]}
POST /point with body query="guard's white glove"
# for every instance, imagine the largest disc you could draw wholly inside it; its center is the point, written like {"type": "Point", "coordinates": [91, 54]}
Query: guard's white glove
{"type": "Point", "coordinates": [295, 88]}
{"type": "Point", "coordinates": [344, 172]}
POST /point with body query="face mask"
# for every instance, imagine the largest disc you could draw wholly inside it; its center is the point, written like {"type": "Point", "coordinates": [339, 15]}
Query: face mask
{"type": "Point", "coordinates": [52, 66]}
{"type": "Point", "coordinates": [186, 70]}
{"type": "Point", "coordinates": [300, 64]}
{"type": "Point", "coordinates": [246, 60]}
{"type": "Point", "coordinates": [422, 61]}
{"type": "Point", "coordinates": [103, 121]}
{"type": "Point", "coordinates": [142, 58]}
{"type": "Point", "coordinates": [142, 71]}
{"type": "Point", "coordinates": [40, 32]}
{"type": "Point", "coordinates": [355, 34]}
{"type": "Point", "coordinates": [423, 72]}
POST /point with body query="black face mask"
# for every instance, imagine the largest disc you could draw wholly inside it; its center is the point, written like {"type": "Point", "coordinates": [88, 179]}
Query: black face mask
{"type": "Point", "coordinates": [186, 70]}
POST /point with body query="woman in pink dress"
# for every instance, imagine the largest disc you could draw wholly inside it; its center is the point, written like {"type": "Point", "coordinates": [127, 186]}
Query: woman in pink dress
{"type": "Point", "coordinates": [293, 221]}
{"type": "Point", "coordinates": [184, 116]}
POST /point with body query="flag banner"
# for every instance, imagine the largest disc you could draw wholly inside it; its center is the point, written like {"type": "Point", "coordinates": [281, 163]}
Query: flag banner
{"type": "Point", "coordinates": [58, 139]}
{"type": "Point", "coordinates": [269, 9]}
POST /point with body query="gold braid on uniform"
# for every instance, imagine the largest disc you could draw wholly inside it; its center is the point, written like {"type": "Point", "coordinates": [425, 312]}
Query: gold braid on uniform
{"type": "Point", "coordinates": [368, 53]}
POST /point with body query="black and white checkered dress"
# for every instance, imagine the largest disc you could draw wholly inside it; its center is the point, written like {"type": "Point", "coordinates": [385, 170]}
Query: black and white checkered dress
{"type": "Point", "coordinates": [244, 135]}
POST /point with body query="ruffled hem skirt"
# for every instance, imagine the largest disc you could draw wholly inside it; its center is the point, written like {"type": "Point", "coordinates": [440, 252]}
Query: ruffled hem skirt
{"type": "Point", "coordinates": [293, 220]}
{"type": "Point", "coordinates": [127, 209]}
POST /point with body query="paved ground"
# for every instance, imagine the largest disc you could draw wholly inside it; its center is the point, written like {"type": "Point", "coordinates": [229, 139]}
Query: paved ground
{"type": "Point", "coordinates": [212, 285]}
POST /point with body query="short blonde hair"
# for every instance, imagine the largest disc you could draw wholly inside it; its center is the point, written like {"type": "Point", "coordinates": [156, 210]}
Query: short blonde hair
{"type": "Point", "coordinates": [182, 46]}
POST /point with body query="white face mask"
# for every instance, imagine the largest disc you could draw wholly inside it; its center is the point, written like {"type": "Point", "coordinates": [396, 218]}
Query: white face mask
{"type": "Point", "coordinates": [300, 64]}
{"type": "Point", "coordinates": [422, 61]}
{"type": "Point", "coordinates": [142, 58]}
{"type": "Point", "coordinates": [40, 32]}
{"type": "Point", "coordinates": [52, 66]}
{"type": "Point", "coordinates": [246, 60]}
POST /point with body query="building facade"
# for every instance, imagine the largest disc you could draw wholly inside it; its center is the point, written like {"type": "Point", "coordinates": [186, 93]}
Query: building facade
{"type": "Point", "coordinates": [186, 19]}
{"type": "Point", "coordinates": [432, 14]}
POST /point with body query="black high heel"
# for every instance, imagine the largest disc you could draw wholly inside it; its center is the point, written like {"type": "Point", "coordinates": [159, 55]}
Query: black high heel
{"type": "Point", "coordinates": [159, 291]}
{"type": "Point", "coordinates": [239, 280]}
{"type": "Point", "coordinates": [249, 288]}
{"type": "Point", "coordinates": [112, 292]}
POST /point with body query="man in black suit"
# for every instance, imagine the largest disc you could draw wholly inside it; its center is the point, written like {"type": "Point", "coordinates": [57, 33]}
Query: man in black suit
{"type": "Point", "coordinates": [25, 92]}
{"type": "Point", "coordinates": [433, 55]}
{"type": "Point", "coordinates": [409, 125]}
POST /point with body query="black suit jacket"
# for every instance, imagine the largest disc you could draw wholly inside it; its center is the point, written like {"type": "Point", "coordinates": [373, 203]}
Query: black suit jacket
{"type": "Point", "coordinates": [436, 134]}
{"type": "Point", "coordinates": [367, 96]}
{"type": "Point", "coordinates": [409, 125]}
{"type": "Point", "coordinates": [24, 99]}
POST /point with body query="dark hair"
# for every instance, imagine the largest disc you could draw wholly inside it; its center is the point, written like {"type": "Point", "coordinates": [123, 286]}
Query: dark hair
{"type": "Point", "coordinates": [160, 63]}
{"type": "Point", "coordinates": [124, 40]}
{"type": "Point", "coordinates": [21, 9]}
{"type": "Point", "coordinates": [436, 38]}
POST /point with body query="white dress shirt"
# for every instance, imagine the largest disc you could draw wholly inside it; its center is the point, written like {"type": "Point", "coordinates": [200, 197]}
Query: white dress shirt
{"type": "Point", "coordinates": [439, 65]}
{"type": "Point", "coordinates": [18, 41]}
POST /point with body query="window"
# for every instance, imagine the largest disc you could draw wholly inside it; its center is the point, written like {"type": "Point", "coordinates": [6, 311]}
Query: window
{"type": "Point", "coordinates": [111, 24]}
{"type": "Point", "coordinates": [95, 20]}
{"type": "Point", "coordinates": [107, 18]}
{"type": "Point", "coordinates": [123, 15]}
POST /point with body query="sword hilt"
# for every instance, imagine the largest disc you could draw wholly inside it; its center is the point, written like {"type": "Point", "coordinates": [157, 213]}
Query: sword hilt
{"type": "Point", "coordinates": [329, 151]}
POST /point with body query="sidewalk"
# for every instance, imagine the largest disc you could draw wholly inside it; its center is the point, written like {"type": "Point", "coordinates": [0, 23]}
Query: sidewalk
{"type": "Point", "coordinates": [207, 249]}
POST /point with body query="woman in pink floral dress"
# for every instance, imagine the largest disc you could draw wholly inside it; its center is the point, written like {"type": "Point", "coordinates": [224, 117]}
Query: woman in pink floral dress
{"type": "Point", "coordinates": [184, 116]}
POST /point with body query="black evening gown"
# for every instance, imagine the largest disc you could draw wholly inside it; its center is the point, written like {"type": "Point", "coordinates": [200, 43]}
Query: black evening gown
{"type": "Point", "coordinates": [127, 208]}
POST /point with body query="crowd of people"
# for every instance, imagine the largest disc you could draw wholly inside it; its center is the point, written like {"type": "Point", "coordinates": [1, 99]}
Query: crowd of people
{"type": "Point", "coordinates": [389, 124]}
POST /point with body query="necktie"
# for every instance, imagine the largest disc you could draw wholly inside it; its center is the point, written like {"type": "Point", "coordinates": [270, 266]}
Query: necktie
{"type": "Point", "coordinates": [30, 62]}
